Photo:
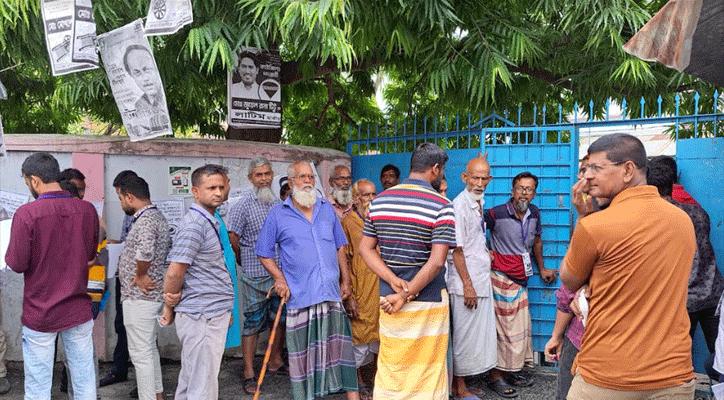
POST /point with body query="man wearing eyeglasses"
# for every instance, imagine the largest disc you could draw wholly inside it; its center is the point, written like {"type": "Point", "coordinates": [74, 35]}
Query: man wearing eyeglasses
{"type": "Point", "coordinates": [636, 256]}
{"type": "Point", "coordinates": [341, 196]}
{"type": "Point", "coordinates": [515, 237]}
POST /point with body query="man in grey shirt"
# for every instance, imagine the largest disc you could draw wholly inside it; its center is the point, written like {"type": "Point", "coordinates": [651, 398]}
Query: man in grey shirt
{"type": "Point", "coordinates": [197, 263]}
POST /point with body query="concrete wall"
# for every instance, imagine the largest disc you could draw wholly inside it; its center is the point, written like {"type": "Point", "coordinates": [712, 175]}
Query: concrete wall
{"type": "Point", "coordinates": [101, 159]}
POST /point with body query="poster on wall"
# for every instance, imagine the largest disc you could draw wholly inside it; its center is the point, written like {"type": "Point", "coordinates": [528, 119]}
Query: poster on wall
{"type": "Point", "coordinates": [179, 180]}
{"type": "Point", "coordinates": [70, 32]}
{"type": "Point", "coordinates": [10, 202]}
{"type": "Point", "coordinates": [173, 210]}
{"type": "Point", "coordinates": [135, 82]}
{"type": "Point", "coordinates": [166, 17]}
{"type": "Point", "coordinates": [254, 93]}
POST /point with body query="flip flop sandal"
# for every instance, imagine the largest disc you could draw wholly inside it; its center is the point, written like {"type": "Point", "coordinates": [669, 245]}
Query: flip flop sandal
{"type": "Point", "coordinates": [502, 388]}
{"type": "Point", "coordinates": [249, 385]}
{"type": "Point", "coordinates": [283, 370]}
{"type": "Point", "coordinates": [518, 380]}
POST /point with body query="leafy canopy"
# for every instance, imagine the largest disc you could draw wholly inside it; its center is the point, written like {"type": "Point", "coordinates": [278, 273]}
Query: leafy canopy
{"type": "Point", "coordinates": [441, 57]}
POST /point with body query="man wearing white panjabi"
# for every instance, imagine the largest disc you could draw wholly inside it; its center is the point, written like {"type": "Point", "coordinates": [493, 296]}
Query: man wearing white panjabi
{"type": "Point", "coordinates": [474, 338]}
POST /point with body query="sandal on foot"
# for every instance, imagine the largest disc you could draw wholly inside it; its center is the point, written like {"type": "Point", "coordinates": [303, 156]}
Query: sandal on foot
{"type": "Point", "coordinates": [502, 388]}
{"type": "Point", "coordinates": [249, 385]}
{"type": "Point", "coordinates": [518, 380]}
{"type": "Point", "coordinates": [283, 370]}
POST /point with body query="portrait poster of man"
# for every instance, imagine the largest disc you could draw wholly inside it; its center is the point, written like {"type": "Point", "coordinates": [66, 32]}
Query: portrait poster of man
{"type": "Point", "coordinates": [70, 31]}
{"type": "Point", "coordinates": [135, 81]}
{"type": "Point", "coordinates": [254, 89]}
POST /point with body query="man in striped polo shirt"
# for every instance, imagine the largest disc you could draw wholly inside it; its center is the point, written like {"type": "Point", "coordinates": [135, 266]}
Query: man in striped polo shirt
{"type": "Point", "coordinates": [515, 237]}
{"type": "Point", "coordinates": [414, 227]}
{"type": "Point", "coordinates": [198, 266]}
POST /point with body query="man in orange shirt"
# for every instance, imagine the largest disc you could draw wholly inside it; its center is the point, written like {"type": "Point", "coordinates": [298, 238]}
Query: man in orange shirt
{"type": "Point", "coordinates": [636, 255]}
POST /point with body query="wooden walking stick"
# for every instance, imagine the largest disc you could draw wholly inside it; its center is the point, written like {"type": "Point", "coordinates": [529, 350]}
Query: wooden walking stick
{"type": "Point", "coordinates": [269, 346]}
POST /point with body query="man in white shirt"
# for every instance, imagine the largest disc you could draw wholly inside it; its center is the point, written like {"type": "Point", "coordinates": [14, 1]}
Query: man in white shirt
{"type": "Point", "coordinates": [474, 336]}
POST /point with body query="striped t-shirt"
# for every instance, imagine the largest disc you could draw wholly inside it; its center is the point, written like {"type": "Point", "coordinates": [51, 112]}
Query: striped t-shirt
{"type": "Point", "coordinates": [407, 220]}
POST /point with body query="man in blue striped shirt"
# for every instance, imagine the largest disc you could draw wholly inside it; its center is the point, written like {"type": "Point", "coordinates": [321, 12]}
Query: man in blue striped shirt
{"type": "Point", "coordinates": [197, 263]}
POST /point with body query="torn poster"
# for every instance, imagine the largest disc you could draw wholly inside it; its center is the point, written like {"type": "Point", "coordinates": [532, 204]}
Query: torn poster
{"type": "Point", "coordinates": [135, 81]}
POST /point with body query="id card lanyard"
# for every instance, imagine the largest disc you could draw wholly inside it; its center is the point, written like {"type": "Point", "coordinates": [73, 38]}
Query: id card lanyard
{"type": "Point", "coordinates": [212, 226]}
{"type": "Point", "coordinates": [53, 196]}
{"type": "Point", "coordinates": [526, 255]}
{"type": "Point", "coordinates": [142, 212]}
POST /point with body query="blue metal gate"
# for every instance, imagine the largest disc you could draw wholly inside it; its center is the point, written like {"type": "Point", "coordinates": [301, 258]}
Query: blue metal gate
{"type": "Point", "coordinates": [550, 152]}
{"type": "Point", "coordinates": [701, 161]}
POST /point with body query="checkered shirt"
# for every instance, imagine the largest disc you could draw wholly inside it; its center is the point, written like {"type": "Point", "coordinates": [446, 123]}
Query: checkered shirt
{"type": "Point", "coordinates": [245, 220]}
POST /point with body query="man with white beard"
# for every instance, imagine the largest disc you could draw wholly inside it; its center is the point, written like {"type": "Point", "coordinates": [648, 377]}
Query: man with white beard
{"type": "Point", "coordinates": [515, 233]}
{"type": "Point", "coordinates": [314, 280]}
{"type": "Point", "coordinates": [245, 221]}
{"type": "Point", "coordinates": [341, 196]}
{"type": "Point", "coordinates": [468, 282]}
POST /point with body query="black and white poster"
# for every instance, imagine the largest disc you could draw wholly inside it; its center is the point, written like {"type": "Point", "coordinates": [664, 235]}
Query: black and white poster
{"type": "Point", "coordinates": [69, 35]}
{"type": "Point", "coordinates": [135, 82]}
{"type": "Point", "coordinates": [254, 89]}
{"type": "Point", "coordinates": [166, 17]}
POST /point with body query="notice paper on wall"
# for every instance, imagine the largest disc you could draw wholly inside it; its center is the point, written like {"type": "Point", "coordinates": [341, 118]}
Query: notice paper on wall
{"type": "Point", "coordinates": [4, 240]}
{"type": "Point", "coordinates": [10, 202]}
{"type": "Point", "coordinates": [114, 255]}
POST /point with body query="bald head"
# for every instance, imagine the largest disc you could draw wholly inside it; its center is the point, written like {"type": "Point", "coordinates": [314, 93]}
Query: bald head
{"type": "Point", "coordinates": [477, 164]}
{"type": "Point", "coordinates": [477, 176]}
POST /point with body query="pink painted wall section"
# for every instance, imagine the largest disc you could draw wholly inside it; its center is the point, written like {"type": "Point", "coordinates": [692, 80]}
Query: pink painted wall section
{"type": "Point", "coordinates": [92, 166]}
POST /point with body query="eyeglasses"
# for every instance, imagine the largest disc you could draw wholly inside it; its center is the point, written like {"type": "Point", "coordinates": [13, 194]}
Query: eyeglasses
{"type": "Point", "coordinates": [596, 168]}
{"type": "Point", "coordinates": [343, 178]}
{"type": "Point", "coordinates": [304, 177]}
{"type": "Point", "coordinates": [520, 189]}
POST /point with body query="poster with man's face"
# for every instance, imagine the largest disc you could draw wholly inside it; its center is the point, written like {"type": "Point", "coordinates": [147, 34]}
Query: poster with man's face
{"type": "Point", "coordinates": [135, 82]}
{"type": "Point", "coordinates": [254, 89]}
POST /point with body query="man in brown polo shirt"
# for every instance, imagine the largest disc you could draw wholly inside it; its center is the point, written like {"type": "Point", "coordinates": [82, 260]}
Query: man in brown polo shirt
{"type": "Point", "coordinates": [636, 255]}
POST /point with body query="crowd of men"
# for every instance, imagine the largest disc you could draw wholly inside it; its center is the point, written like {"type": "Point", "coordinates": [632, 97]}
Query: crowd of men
{"type": "Point", "coordinates": [401, 285]}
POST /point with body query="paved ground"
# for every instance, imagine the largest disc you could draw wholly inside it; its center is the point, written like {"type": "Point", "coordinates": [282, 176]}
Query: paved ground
{"type": "Point", "coordinates": [275, 387]}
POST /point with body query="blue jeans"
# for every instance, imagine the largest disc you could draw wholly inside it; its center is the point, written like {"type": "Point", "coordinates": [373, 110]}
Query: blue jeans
{"type": "Point", "coordinates": [38, 356]}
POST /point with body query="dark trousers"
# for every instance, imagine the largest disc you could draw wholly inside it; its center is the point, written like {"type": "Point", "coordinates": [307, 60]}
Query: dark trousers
{"type": "Point", "coordinates": [121, 357]}
{"type": "Point", "coordinates": [564, 378]}
{"type": "Point", "coordinates": [709, 325]}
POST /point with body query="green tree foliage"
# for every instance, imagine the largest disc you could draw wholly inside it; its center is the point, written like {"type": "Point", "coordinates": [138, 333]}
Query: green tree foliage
{"type": "Point", "coordinates": [442, 57]}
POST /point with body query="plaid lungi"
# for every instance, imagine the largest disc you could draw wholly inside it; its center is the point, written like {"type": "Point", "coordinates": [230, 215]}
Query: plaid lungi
{"type": "Point", "coordinates": [512, 315]}
{"type": "Point", "coordinates": [321, 359]}
{"type": "Point", "coordinates": [413, 362]}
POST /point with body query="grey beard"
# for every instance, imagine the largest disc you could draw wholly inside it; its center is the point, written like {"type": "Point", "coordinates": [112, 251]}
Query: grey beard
{"type": "Point", "coordinates": [264, 194]}
{"type": "Point", "coordinates": [304, 198]}
{"type": "Point", "coordinates": [475, 196]}
{"type": "Point", "coordinates": [522, 205]}
{"type": "Point", "coordinates": [342, 197]}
